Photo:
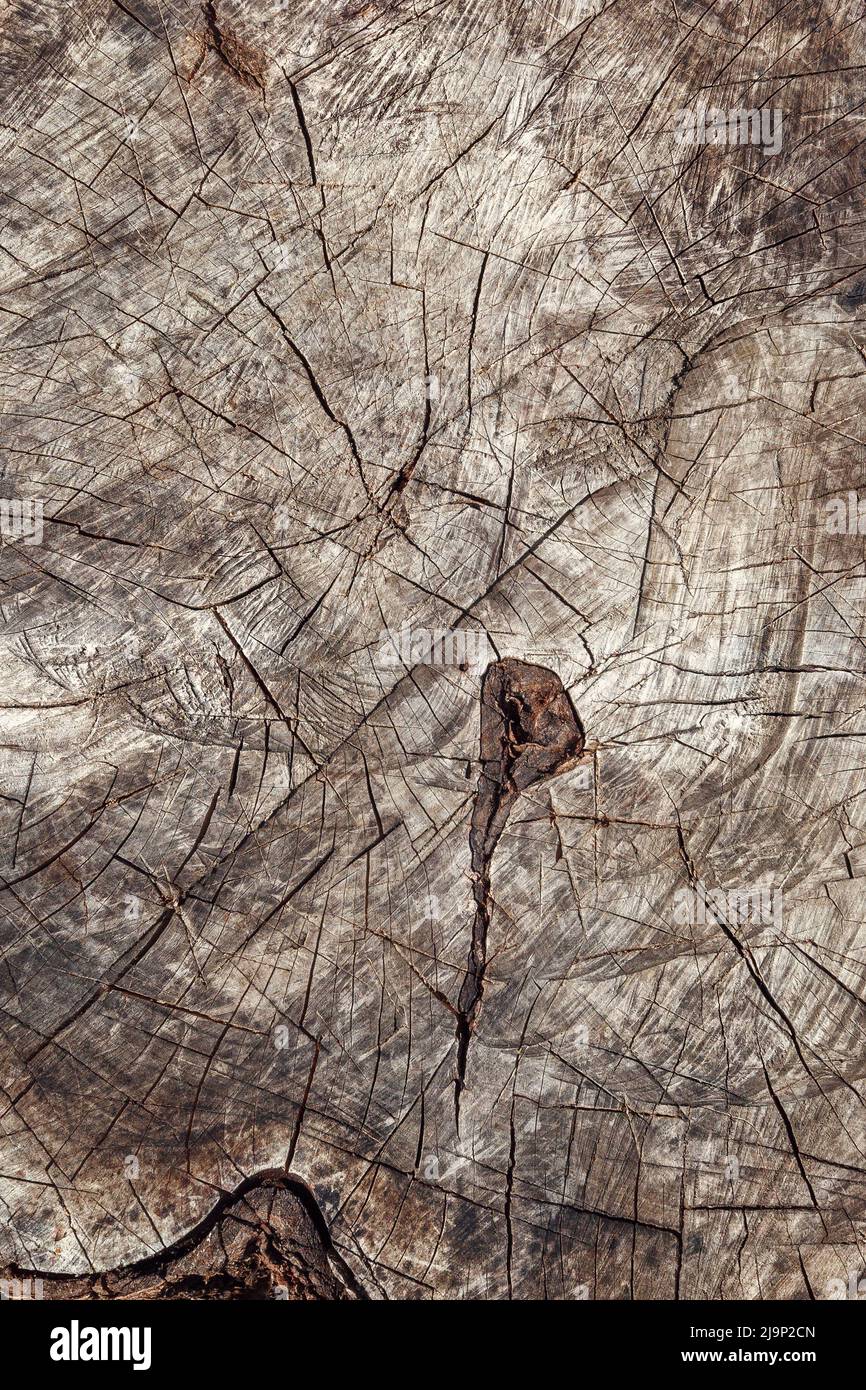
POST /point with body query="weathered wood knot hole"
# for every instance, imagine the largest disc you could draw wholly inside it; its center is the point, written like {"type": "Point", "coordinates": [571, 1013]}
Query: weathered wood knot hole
{"type": "Point", "coordinates": [529, 730]}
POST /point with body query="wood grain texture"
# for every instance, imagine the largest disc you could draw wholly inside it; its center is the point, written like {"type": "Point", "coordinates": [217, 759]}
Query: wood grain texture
{"type": "Point", "coordinates": [328, 321]}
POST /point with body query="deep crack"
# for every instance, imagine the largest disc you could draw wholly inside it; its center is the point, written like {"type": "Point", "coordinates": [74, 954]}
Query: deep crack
{"type": "Point", "coordinates": [529, 730]}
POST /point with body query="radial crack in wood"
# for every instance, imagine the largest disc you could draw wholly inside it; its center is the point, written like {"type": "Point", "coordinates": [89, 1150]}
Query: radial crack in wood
{"type": "Point", "coordinates": [529, 731]}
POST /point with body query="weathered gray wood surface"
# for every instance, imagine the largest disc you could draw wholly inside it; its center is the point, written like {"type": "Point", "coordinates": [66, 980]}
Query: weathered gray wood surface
{"type": "Point", "coordinates": [323, 319]}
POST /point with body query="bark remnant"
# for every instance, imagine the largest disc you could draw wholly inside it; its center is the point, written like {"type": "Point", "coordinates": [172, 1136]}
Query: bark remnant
{"type": "Point", "coordinates": [265, 1240]}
